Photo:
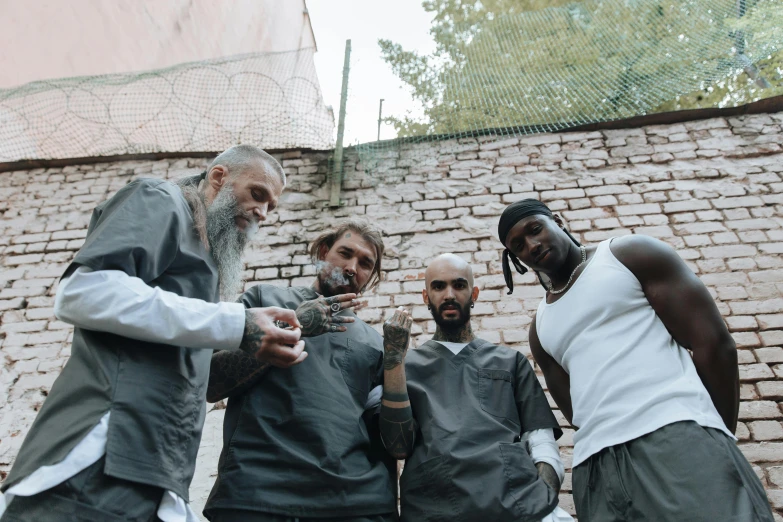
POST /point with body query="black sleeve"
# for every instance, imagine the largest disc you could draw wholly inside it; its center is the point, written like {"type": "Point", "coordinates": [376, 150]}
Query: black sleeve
{"type": "Point", "coordinates": [137, 231]}
{"type": "Point", "coordinates": [532, 406]}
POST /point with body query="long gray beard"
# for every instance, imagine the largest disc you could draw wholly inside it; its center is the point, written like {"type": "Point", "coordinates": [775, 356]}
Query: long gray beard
{"type": "Point", "coordinates": [218, 231]}
{"type": "Point", "coordinates": [227, 242]}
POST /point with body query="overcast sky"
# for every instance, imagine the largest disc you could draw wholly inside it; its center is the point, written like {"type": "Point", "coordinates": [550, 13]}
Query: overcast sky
{"type": "Point", "coordinates": [364, 22]}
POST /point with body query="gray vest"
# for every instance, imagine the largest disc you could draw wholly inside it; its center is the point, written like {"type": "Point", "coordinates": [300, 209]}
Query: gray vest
{"type": "Point", "coordinates": [298, 443]}
{"type": "Point", "coordinates": [156, 393]}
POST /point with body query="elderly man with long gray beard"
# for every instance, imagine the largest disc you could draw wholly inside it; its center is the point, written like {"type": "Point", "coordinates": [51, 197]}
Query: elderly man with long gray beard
{"type": "Point", "coordinates": [117, 437]}
{"type": "Point", "coordinates": [302, 444]}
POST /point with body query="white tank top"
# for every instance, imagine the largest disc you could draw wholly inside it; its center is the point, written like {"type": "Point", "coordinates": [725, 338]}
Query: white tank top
{"type": "Point", "coordinates": [629, 377]}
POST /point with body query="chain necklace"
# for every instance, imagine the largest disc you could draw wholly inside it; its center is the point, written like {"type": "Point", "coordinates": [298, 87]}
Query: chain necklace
{"type": "Point", "coordinates": [552, 287]}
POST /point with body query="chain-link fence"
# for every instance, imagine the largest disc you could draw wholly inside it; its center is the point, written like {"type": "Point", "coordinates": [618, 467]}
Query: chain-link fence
{"type": "Point", "coordinates": [272, 100]}
{"type": "Point", "coordinates": [594, 61]}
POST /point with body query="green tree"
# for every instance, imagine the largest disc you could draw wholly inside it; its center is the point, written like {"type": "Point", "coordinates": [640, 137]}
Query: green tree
{"type": "Point", "coordinates": [508, 64]}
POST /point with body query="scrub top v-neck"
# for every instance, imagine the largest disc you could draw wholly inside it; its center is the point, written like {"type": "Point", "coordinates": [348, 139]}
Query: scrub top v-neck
{"type": "Point", "coordinates": [468, 463]}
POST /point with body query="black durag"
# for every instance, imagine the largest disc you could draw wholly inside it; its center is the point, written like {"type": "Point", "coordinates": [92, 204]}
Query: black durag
{"type": "Point", "coordinates": [513, 214]}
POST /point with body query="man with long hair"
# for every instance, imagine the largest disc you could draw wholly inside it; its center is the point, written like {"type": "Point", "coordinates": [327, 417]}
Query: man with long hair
{"type": "Point", "coordinates": [301, 443]}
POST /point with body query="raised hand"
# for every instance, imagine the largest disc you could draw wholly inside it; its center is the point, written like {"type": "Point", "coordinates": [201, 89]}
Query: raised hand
{"type": "Point", "coordinates": [396, 336]}
{"type": "Point", "coordinates": [270, 344]}
{"type": "Point", "coordinates": [320, 315]}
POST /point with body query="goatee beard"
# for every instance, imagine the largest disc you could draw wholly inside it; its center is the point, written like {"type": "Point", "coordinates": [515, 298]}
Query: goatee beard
{"type": "Point", "coordinates": [226, 241]}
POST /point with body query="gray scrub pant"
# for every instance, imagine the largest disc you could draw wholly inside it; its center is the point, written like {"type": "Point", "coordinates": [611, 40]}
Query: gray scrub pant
{"type": "Point", "coordinates": [241, 515]}
{"type": "Point", "coordinates": [89, 496]}
{"type": "Point", "coordinates": [680, 472]}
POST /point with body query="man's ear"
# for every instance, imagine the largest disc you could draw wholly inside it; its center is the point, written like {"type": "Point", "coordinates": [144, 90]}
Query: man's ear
{"type": "Point", "coordinates": [559, 220]}
{"type": "Point", "coordinates": [322, 251]}
{"type": "Point", "coordinates": [474, 295]}
{"type": "Point", "coordinates": [425, 297]}
{"type": "Point", "coordinates": [217, 177]}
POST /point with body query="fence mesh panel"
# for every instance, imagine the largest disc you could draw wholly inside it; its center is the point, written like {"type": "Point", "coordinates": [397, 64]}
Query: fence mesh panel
{"type": "Point", "coordinates": [272, 100]}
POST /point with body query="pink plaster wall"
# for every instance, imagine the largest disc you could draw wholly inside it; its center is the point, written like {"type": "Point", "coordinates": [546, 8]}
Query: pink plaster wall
{"type": "Point", "coordinates": [42, 39]}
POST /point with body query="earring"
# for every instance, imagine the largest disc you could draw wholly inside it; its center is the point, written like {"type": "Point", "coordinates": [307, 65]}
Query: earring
{"type": "Point", "coordinates": [472, 305]}
{"type": "Point", "coordinates": [429, 307]}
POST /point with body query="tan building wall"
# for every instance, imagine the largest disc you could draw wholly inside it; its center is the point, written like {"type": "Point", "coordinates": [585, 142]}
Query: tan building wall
{"type": "Point", "coordinates": [713, 189]}
{"type": "Point", "coordinates": [42, 39]}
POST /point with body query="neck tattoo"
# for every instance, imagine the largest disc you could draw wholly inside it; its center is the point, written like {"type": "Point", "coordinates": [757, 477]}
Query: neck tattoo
{"type": "Point", "coordinates": [463, 334]}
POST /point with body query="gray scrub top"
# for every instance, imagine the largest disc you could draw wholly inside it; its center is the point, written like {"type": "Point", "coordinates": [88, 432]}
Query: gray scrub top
{"type": "Point", "coordinates": [298, 443]}
{"type": "Point", "coordinates": [156, 393]}
{"type": "Point", "coordinates": [468, 464]}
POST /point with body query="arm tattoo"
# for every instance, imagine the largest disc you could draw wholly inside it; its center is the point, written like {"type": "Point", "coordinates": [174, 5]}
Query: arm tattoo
{"type": "Point", "coordinates": [231, 373]}
{"type": "Point", "coordinates": [251, 339]}
{"type": "Point", "coordinates": [398, 429]}
{"type": "Point", "coordinates": [548, 475]}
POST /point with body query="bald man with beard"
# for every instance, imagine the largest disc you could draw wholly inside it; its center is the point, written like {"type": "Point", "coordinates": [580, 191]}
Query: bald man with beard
{"type": "Point", "coordinates": [117, 437]}
{"type": "Point", "coordinates": [469, 417]}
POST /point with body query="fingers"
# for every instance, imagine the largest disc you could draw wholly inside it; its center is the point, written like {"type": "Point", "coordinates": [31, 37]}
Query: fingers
{"type": "Point", "coordinates": [342, 319]}
{"type": "Point", "coordinates": [281, 314]}
{"type": "Point", "coordinates": [282, 356]}
{"type": "Point", "coordinates": [356, 305]}
{"type": "Point", "coordinates": [340, 298]}
{"type": "Point", "coordinates": [285, 337]}
{"type": "Point", "coordinates": [399, 317]}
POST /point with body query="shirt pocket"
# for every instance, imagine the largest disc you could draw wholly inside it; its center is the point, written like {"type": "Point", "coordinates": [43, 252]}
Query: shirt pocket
{"type": "Point", "coordinates": [358, 366]}
{"type": "Point", "coordinates": [526, 497]}
{"type": "Point", "coordinates": [428, 494]}
{"type": "Point", "coordinates": [496, 393]}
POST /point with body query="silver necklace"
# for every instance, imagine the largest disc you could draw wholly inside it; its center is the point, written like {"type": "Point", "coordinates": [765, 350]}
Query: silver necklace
{"type": "Point", "coordinates": [552, 287]}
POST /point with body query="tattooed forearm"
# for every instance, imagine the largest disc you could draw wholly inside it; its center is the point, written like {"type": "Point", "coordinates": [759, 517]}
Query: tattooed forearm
{"type": "Point", "coordinates": [392, 359]}
{"type": "Point", "coordinates": [397, 425]}
{"type": "Point", "coordinates": [396, 336]}
{"type": "Point", "coordinates": [251, 338]}
{"type": "Point", "coordinates": [549, 475]}
{"type": "Point", "coordinates": [232, 373]}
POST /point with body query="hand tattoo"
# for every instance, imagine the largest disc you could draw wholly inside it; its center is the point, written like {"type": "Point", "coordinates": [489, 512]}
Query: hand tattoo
{"type": "Point", "coordinates": [316, 317]}
{"type": "Point", "coordinates": [251, 338]}
{"type": "Point", "coordinates": [396, 336]}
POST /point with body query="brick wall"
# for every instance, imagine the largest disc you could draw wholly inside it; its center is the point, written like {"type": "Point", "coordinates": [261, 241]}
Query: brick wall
{"type": "Point", "coordinates": [712, 188]}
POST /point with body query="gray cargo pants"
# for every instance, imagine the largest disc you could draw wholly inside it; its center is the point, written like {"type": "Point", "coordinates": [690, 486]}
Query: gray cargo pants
{"type": "Point", "coordinates": [680, 472]}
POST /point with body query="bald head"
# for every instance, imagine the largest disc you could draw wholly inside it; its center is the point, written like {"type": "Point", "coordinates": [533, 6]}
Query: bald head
{"type": "Point", "coordinates": [447, 267]}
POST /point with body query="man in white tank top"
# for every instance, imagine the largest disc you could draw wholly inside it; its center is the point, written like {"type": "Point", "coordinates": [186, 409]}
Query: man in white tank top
{"type": "Point", "coordinates": [654, 439]}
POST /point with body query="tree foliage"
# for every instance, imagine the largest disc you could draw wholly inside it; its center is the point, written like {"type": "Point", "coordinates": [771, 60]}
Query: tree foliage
{"type": "Point", "coordinates": [548, 64]}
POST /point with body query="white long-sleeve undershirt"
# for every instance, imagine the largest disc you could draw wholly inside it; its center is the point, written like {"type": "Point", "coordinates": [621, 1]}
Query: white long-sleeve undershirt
{"type": "Point", "coordinates": [112, 301]}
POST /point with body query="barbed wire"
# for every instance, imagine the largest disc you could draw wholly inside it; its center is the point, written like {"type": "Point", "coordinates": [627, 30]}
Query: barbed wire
{"type": "Point", "coordinates": [272, 100]}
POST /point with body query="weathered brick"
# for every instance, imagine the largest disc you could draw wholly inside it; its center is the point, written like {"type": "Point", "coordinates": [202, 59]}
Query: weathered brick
{"type": "Point", "coordinates": [645, 208]}
{"type": "Point", "coordinates": [685, 206]}
{"type": "Point", "coordinates": [755, 372]}
{"type": "Point", "coordinates": [766, 430]}
{"type": "Point", "coordinates": [770, 389]}
{"type": "Point", "coordinates": [759, 410]}
{"type": "Point", "coordinates": [729, 251]}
